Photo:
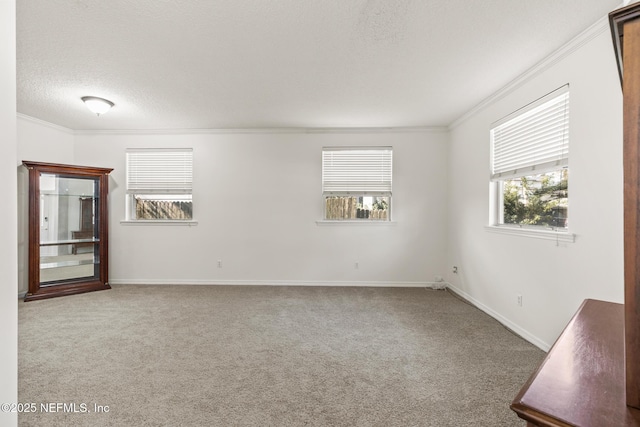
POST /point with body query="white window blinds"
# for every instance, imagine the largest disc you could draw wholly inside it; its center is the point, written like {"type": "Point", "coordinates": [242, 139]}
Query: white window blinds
{"type": "Point", "coordinates": [533, 140]}
{"type": "Point", "coordinates": [357, 170]}
{"type": "Point", "coordinates": [160, 171]}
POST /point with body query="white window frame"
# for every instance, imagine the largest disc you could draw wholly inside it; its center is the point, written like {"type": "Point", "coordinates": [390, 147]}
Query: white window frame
{"type": "Point", "coordinates": [158, 171]}
{"type": "Point", "coordinates": [532, 140]}
{"type": "Point", "coordinates": [357, 171]}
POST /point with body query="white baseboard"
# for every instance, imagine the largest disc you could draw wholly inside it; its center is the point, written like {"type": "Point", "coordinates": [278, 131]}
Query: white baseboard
{"type": "Point", "coordinates": [506, 322]}
{"type": "Point", "coordinates": [433, 285]}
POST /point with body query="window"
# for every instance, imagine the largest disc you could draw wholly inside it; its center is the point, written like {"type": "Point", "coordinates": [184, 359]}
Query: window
{"type": "Point", "coordinates": [529, 165]}
{"type": "Point", "coordinates": [159, 183]}
{"type": "Point", "coordinates": [356, 183]}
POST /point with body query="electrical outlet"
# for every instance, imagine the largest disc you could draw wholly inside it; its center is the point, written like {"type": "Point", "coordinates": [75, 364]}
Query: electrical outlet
{"type": "Point", "coordinates": [219, 263]}
{"type": "Point", "coordinates": [455, 269]}
{"type": "Point", "coordinates": [356, 265]}
{"type": "Point", "coordinates": [519, 300]}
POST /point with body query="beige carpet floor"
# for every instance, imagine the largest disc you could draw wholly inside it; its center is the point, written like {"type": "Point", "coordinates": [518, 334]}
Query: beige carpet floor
{"type": "Point", "coordinates": [267, 356]}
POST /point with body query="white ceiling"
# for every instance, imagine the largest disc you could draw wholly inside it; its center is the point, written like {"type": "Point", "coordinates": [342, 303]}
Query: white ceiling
{"type": "Point", "coordinates": [211, 64]}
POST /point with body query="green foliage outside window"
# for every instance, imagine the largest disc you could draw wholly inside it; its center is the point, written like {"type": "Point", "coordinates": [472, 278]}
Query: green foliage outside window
{"type": "Point", "coordinates": [537, 200]}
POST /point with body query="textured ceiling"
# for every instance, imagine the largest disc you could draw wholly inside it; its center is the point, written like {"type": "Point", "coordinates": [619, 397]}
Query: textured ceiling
{"type": "Point", "coordinates": [178, 64]}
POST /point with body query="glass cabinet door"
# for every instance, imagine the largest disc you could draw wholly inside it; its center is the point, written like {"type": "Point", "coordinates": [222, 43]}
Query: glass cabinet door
{"type": "Point", "coordinates": [67, 229]}
{"type": "Point", "coordinates": [69, 223]}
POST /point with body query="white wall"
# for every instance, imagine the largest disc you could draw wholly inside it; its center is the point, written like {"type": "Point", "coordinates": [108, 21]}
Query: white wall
{"type": "Point", "coordinates": [553, 279]}
{"type": "Point", "coordinates": [38, 142]}
{"type": "Point", "coordinates": [8, 214]}
{"type": "Point", "coordinates": [257, 197]}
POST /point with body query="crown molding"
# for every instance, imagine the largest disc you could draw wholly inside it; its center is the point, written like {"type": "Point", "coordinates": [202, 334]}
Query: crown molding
{"type": "Point", "coordinates": [292, 130]}
{"type": "Point", "coordinates": [285, 130]}
{"type": "Point", "coordinates": [563, 52]}
{"type": "Point", "coordinates": [44, 123]}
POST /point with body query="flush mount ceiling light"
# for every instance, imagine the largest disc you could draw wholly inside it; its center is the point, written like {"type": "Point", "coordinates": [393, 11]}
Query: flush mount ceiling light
{"type": "Point", "coordinates": [97, 105]}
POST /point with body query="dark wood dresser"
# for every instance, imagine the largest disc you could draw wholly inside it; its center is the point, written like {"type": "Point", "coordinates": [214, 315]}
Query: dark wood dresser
{"type": "Point", "coordinates": [581, 382]}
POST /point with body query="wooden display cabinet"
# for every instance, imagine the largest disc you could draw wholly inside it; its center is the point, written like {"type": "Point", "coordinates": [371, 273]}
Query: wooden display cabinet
{"type": "Point", "coordinates": [68, 229]}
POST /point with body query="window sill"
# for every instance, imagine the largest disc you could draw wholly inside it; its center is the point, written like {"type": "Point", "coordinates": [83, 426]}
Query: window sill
{"type": "Point", "coordinates": [325, 222]}
{"type": "Point", "coordinates": [558, 236]}
{"type": "Point", "coordinates": [163, 222]}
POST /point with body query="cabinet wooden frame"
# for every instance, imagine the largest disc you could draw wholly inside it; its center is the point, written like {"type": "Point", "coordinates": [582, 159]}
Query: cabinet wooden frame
{"type": "Point", "coordinates": [100, 281]}
{"type": "Point", "coordinates": [627, 49]}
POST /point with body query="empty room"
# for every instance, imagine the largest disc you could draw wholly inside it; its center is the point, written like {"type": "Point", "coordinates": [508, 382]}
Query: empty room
{"type": "Point", "coordinates": [349, 213]}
